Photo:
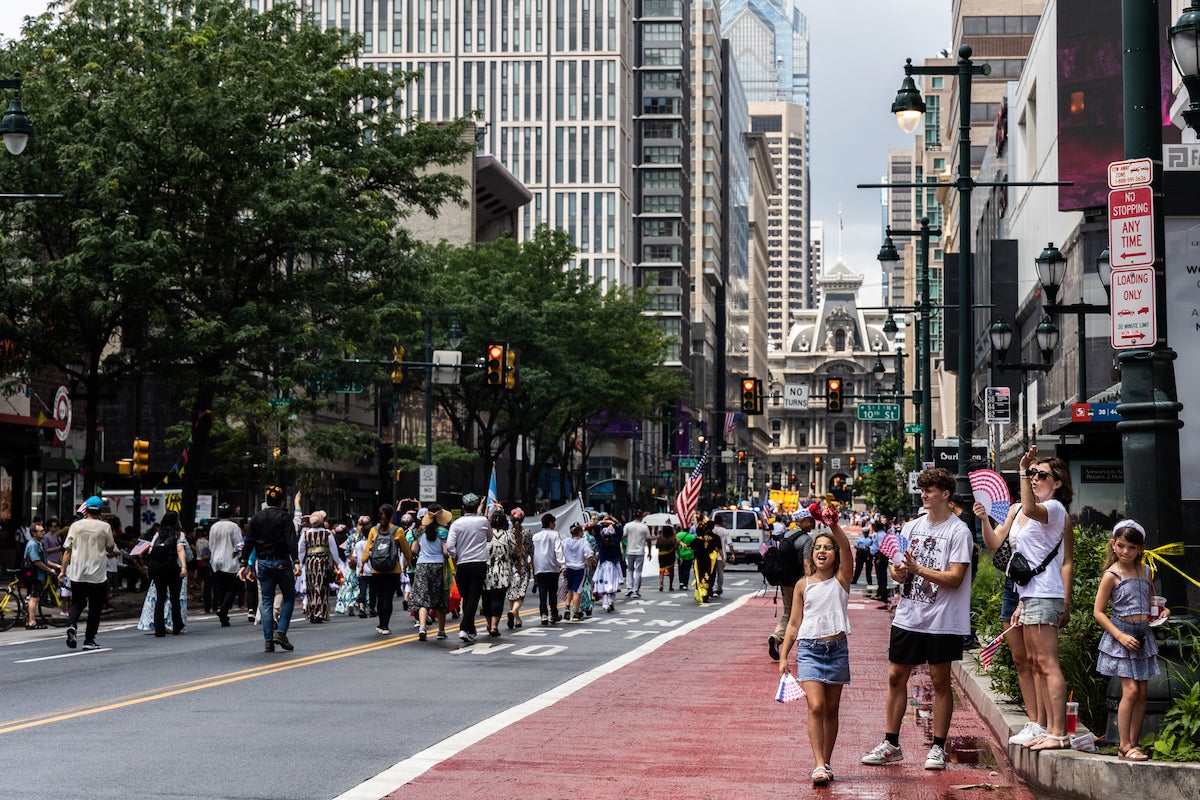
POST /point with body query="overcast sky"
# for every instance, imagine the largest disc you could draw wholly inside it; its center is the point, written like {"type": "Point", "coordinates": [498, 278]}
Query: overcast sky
{"type": "Point", "coordinates": [858, 52]}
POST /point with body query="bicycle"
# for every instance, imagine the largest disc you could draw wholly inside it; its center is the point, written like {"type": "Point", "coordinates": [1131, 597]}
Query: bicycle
{"type": "Point", "coordinates": [50, 605]}
{"type": "Point", "coordinates": [12, 601]}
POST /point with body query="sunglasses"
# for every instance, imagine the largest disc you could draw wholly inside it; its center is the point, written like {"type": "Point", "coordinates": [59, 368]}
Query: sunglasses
{"type": "Point", "coordinates": [825, 548]}
{"type": "Point", "coordinates": [1040, 474]}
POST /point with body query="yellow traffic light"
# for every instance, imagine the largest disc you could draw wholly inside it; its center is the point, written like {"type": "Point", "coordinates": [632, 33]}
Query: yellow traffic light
{"type": "Point", "coordinates": [398, 364]}
{"type": "Point", "coordinates": [833, 394]}
{"type": "Point", "coordinates": [125, 466]}
{"type": "Point", "coordinates": [496, 358]}
{"type": "Point", "coordinates": [511, 366]}
{"type": "Point", "coordinates": [752, 396]}
{"type": "Point", "coordinates": [141, 456]}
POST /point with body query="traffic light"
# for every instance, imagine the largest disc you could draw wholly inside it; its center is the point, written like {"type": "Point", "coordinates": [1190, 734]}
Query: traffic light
{"type": "Point", "coordinates": [833, 394]}
{"type": "Point", "coordinates": [812, 486]}
{"type": "Point", "coordinates": [495, 365]}
{"type": "Point", "coordinates": [792, 479]}
{"type": "Point", "coordinates": [512, 364]}
{"type": "Point", "coordinates": [398, 364]}
{"type": "Point", "coordinates": [742, 457]}
{"type": "Point", "coordinates": [125, 466]}
{"type": "Point", "coordinates": [852, 462]}
{"type": "Point", "coordinates": [141, 456]}
{"type": "Point", "coordinates": [817, 462]}
{"type": "Point", "coordinates": [752, 396]}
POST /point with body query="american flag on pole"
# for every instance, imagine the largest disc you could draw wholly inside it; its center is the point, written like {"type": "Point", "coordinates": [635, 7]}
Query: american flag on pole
{"type": "Point", "coordinates": [689, 495]}
{"type": "Point", "coordinates": [732, 418]}
{"type": "Point", "coordinates": [988, 653]}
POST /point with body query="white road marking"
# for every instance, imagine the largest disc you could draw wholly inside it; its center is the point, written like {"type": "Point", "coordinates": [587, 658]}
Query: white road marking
{"type": "Point", "coordinates": [402, 773]}
{"type": "Point", "coordinates": [62, 655]}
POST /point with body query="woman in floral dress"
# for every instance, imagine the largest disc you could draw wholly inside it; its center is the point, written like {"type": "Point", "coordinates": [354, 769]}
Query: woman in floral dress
{"type": "Point", "coordinates": [318, 552]}
{"type": "Point", "coordinates": [522, 561]}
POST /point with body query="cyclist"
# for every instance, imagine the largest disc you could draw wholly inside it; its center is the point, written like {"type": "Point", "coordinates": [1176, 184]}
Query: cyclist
{"type": "Point", "coordinates": [38, 568]}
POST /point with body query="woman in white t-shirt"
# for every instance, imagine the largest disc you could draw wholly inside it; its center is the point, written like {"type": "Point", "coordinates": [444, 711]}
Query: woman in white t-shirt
{"type": "Point", "coordinates": [1038, 535]}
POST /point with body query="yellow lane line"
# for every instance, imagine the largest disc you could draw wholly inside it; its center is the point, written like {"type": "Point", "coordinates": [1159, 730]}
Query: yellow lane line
{"type": "Point", "coordinates": [200, 684]}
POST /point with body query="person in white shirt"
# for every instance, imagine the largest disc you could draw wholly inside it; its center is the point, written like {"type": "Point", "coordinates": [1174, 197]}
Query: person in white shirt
{"type": "Point", "coordinates": [547, 564]}
{"type": "Point", "coordinates": [723, 555]}
{"type": "Point", "coordinates": [932, 617]}
{"type": "Point", "coordinates": [467, 545]}
{"type": "Point", "coordinates": [224, 539]}
{"type": "Point", "coordinates": [86, 549]}
{"type": "Point", "coordinates": [637, 547]}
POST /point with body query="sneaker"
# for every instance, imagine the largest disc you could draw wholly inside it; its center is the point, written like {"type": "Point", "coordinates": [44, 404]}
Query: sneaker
{"type": "Point", "coordinates": [383, 631]}
{"type": "Point", "coordinates": [936, 758]}
{"type": "Point", "coordinates": [772, 648]}
{"type": "Point", "coordinates": [884, 753]}
{"type": "Point", "coordinates": [268, 647]}
{"type": "Point", "coordinates": [249, 618]}
{"type": "Point", "coordinates": [90, 646]}
{"type": "Point", "coordinates": [820, 776]}
{"type": "Point", "coordinates": [566, 616]}
{"type": "Point", "coordinates": [282, 640]}
{"type": "Point", "coordinates": [71, 637]}
{"type": "Point", "coordinates": [422, 635]}
{"type": "Point", "coordinates": [637, 595]}
{"type": "Point", "coordinates": [1027, 734]}
{"type": "Point", "coordinates": [441, 636]}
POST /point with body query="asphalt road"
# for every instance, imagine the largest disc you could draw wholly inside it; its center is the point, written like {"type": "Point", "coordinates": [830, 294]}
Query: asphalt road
{"type": "Point", "coordinates": [210, 715]}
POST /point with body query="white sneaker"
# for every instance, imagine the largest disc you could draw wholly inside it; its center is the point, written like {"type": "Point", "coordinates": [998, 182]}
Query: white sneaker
{"type": "Point", "coordinates": [884, 753]}
{"type": "Point", "coordinates": [383, 631]}
{"type": "Point", "coordinates": [936, 758]}
{"type": "Point", "coordinates": [1027, 734]}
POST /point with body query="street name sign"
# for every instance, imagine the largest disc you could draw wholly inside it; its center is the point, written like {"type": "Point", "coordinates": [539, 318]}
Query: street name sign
{"type": "Point", "coordinates": [688, 462]}
{"type": "Point", "coordinates": [1131, 227]}
{"type": "Point", "coordinates": [1132, 309]}
{"type": "Point", "coordinates": [914, 427]}
{"type": "Point", "coordinates": [1132, 172]}
{"type": "Point", "coordinates": [879, 412]}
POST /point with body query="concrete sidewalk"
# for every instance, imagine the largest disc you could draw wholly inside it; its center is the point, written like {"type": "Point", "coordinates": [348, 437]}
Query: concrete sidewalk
{"type": "Point", "coordinates": [696, 718]}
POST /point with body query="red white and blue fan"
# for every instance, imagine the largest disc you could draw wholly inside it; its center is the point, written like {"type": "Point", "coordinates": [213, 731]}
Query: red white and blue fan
{"type": "Point", "coordinates": [991, 492]}
{"type": "Point", "coordinates": [789, 689]}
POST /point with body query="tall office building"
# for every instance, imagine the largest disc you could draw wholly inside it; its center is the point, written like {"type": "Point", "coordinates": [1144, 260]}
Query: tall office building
{"type": "Point", "coordinates": [552, 82]}
{"type": "Point", "coordinates": [770, 44]}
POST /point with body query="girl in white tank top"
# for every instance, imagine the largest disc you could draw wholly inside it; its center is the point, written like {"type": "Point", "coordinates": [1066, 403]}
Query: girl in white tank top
{"type": "Point", "coordinates": [818, 627]}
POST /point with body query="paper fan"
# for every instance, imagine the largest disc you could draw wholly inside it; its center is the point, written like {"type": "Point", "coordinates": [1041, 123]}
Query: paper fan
{"type": "Point", "coordinates": [991, 492]}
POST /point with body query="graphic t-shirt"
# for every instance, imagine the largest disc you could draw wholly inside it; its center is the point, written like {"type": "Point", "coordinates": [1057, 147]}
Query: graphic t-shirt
{"type": "Point", "coordinates": [928, 607]}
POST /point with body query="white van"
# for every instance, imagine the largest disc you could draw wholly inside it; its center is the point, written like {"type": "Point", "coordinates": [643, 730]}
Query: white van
{"type": "Point", "coordinates": [746, 530]}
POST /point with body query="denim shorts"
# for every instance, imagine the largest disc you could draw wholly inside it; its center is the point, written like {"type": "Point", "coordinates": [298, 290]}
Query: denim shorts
{"type": "Point", "coordinates": [1042, 610]}
{"type": "Point", "coordinates": [823, 660]}
{"type": "Point", "coordinates": [1008, 601]}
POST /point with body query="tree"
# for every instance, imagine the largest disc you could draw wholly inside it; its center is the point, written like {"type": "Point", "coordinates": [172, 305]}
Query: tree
{"type": "Point", "coordinates": [886, 487]}
{"type": "Point", "coordinates": [586, 354]}
{"type": "Point", "coordinates": [234, 192]}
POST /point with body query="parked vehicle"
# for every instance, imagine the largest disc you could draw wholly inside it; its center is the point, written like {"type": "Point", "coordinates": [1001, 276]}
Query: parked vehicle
{"type": "Point", "coordinates": [746, 530]}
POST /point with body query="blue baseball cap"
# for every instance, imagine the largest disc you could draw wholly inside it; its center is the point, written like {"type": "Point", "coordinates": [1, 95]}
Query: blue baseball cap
{"type": "Point", "coordinates": [94, 503]}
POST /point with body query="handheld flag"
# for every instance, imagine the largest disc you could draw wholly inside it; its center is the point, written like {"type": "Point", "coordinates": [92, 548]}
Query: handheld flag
{"type": "Point", "coordinates": [689, 495]}
{"type": "Point", "coordinates": [988, 653]}
{"type": "Point", "coordinates": [492, 498]}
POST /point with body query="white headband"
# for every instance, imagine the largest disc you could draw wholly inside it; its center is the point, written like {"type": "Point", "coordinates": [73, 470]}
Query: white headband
{"type": "Point", "coordinates": [1128, 523]}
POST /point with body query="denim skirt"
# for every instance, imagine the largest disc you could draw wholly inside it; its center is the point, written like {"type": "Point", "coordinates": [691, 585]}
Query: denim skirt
{"type": "Point", "coordinates": [823, 660]}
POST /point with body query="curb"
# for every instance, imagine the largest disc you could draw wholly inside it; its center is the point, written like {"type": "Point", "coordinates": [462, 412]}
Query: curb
{"type": "Point", "coordinates": [1071, 774]}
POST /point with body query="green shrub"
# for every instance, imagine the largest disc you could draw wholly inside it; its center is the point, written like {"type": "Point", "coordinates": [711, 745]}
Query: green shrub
{"type": "Point", "coordinates": [1179, 737]}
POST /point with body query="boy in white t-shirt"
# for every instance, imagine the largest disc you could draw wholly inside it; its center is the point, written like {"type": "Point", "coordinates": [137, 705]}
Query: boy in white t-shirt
{"type": "Point", "coordinates": [932, 617]}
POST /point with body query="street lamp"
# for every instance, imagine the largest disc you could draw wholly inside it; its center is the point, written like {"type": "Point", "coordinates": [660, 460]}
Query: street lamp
{"type": "Point", "coordinates": [455, 337]}
{"type": "Point", "coordinates": [1001, 334]}
{"type": "Point", "coordinates": [908, 108]}
{"type": "Point", "coordinates": [923, 388]}
{"type": "Point", "coordinates": [1051, 269]}
{"type": "Point", "coordinates": [1185, 52]}
{"type": "Point", "coordinates": [15, 125]}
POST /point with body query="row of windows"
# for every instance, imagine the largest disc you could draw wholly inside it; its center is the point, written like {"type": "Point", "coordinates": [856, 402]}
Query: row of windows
{"type": "Point", "coordinates": [662, 154]}
{"type": "Point", "coordinates": [584, 154]}
{"type": "Point", "coordinates": [1000, 26]}
{"type": "Point", "coordinates": [598, 100]}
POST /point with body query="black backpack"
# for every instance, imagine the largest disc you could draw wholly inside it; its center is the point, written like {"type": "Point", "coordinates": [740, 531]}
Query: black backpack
{"type": "Point", "coordinates": [384, 552]}
{"type": "Point", "coordinates": [781, 564]}
{"type": "Point", "coordinates": [162, 557]}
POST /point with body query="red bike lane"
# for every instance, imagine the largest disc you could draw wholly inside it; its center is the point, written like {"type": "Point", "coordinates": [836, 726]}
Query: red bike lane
{"type": "Point", "coordinates": [696, 718]}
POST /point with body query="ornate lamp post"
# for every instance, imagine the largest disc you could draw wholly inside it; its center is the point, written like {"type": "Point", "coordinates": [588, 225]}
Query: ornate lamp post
{"type": "Point", "coordinates": [1001, 334]}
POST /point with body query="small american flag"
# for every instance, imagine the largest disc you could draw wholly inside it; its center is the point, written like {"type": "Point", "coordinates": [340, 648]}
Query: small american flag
{"type": "Point", "coordinates": [988, 653]}
{"type": "Point", "coordinates": [689, 495]}
{"type": "Point", "coordinates": [732, 418]}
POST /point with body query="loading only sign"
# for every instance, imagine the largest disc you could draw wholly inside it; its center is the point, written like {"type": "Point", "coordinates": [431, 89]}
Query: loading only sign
{"type": "Point", "coordinates": [1132, 308]}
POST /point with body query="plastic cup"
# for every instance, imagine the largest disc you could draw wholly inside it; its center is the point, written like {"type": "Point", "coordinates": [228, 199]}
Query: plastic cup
{"type": "Point", "coordinates": [1072, 717]}
{"type": "Point", "coordinates": [1156, 606]}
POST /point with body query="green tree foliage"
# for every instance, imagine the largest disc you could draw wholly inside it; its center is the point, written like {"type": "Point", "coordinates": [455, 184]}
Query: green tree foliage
{"type": "Point", "coordinates": [886, 488]}
{"type": "Point", "coordinates": [234, 191]}
{"type": "Point", "coordinates": [585, 353]}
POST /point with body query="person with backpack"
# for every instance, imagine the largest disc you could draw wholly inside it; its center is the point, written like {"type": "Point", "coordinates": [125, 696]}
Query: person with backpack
{"type": "Point", "coordinates": [166, 561]}
{"type": "Point", "coordinates": [386, 543]}
{"type": "Point", "coordinates": [783, 565]}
